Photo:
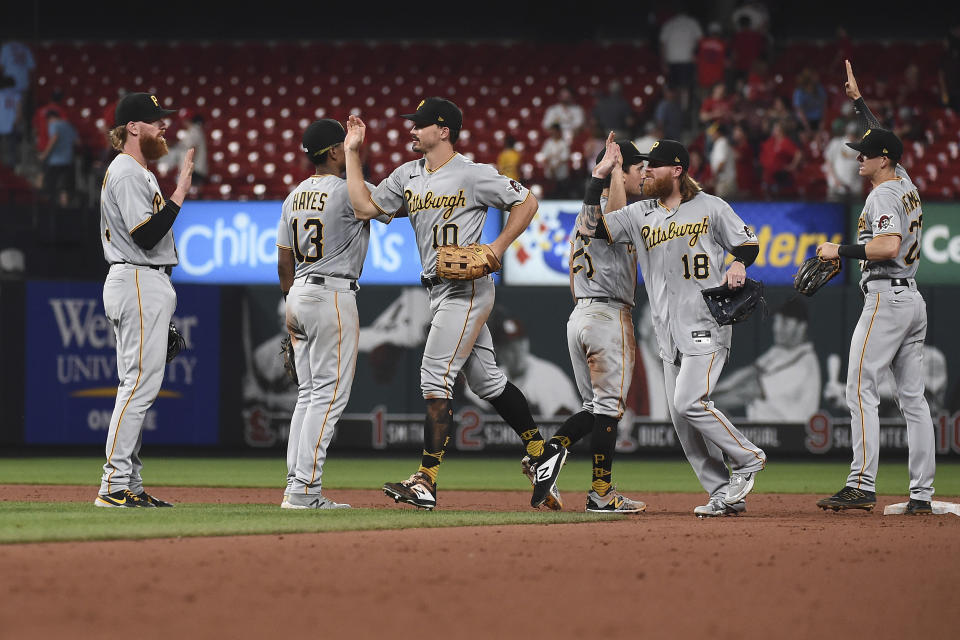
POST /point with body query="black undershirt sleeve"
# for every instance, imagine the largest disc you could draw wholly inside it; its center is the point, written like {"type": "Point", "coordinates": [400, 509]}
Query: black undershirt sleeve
{"type": "Point", "coordinates": [865, 118]}
{"type": "Point", "coordinates": [152, 231]}
{"type": "Point", "coordinates": [746, 253]}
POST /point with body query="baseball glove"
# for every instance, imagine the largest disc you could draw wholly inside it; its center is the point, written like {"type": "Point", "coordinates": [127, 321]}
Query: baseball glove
{"type": "Point", "coordinates": [814, 273]}
{"type": "Point", "coordinates": [175, 342]}
{"type": "Point", "coordinates": [730, 306]}
{"type": "Point", "coordinates": [466, 263]}
{"type": "Point", "coordinates": [289, 362]}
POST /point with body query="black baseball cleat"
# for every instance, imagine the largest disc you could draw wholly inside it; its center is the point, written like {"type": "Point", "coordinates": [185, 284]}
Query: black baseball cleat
{"type": "Point", "coordinates": [156, 502]}
{"type": "Point", "coordinates": [849, 498]}
{"type": "Point", "coordinates": [122, 499]}
{"type": "Point", "coordinates": [417, 490]}
{"type": "Point", "coordinates": [548, 470]}
{"type": "Point", "coordinates": [918, 508]}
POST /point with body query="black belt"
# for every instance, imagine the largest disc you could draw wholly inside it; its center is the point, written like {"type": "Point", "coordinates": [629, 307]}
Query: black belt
{"type": "Point", "coordinates": [894, 282]}
{"type": "Point", "coordinates": [165, 268]}
{"type": "Point", "coordinates": [322, 280]}
{"type": "Point", "coordinates": [605, 299]}
{"type": "Point", "coordinates": [431, 281]}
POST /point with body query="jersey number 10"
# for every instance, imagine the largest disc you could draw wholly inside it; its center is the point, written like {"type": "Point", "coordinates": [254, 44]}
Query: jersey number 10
{"type": "Point", "coordinates": [316, 239]}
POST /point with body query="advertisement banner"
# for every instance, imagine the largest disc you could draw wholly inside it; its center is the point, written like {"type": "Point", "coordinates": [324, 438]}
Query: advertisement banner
{"type": "Point", "coordinates": [788, 232]}
{"type": "Point", "coordinates": [236, 243]}
{"type": "Point", "coordinates": [71, 374]}
{"type": "Point", "coordinates": [940, 244]}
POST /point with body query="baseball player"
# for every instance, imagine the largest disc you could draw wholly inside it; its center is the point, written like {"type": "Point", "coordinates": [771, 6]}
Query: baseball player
{"type": "Point", "coordinates": [600, 337]}
{"type": "Point", "coordinates": [682, 237]}
{"type": "Point", "coordinates": [321, 247]}
{"type": "Point", "coordinates": [893, 324]}
{"type": "Point", "coordinates": [135, 231]}
{"type": "Point", "coordinates": [446, 197]}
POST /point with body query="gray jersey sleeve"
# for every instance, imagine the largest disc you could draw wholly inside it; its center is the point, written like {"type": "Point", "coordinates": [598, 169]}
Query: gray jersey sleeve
{"type": "Point", "coordinates": [388, 195]}
{"type": "Point", "coordinates": [495, 190]}
{"type": "Point", "coordinates": [728, 228]}
{"type": "Point", "coordinates": [284, 233]}
{"type": "Point", "coordinates": [884, 214]}
{"type": "Point", "coordinates": [135, 197]}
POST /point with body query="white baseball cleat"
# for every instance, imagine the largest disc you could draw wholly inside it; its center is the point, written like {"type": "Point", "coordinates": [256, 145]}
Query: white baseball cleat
{"type": "Point", "coordinates": [717, 507]}
{"type": "Point", "coordinates": [739, 487]}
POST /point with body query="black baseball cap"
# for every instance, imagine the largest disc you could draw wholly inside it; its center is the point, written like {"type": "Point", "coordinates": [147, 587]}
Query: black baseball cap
{"type": "Point", "coordinates": [321, 135]}
{"type": "Point", "coordinates": [436, 111]}
{"type": "Point", "coordinates": [879, 142]}
{"type": "Point", "coordinates": [667, 153]}
{"type": "Point", "coordinates": [628, 151]}
{"type": "Point", "coordinates": [139, 107]}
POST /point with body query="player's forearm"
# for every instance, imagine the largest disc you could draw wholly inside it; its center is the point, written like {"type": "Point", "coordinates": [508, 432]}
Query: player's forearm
{"type": "Point", "coordinates": [363, 207]}
{"type": "Point", "coordinates": [517, 223]}
{"type": "Point", "coordinates": [746, 253]}
{"type": "Point", "coordinates": [617, 195]}
{"type": "Point", "coordinates": [590, 212]}
{"type": "Point", "coordinates": [153, 230]}
{"type": "Point", "coordinates": [285, 269]}
{"type": "Point", "coordinates": [865, 118]}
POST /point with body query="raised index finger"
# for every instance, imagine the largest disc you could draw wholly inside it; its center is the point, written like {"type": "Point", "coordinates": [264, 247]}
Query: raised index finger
{"type": "Point", "coordinates": [849, 70]}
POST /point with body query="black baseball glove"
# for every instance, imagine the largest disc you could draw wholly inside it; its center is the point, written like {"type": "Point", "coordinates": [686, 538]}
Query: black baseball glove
{"type": "Point", "coordinates": [730, 306]}
{"type": "Point", "coordinates": [289, 362]}
{"type": "Point", "coordinates": [814, 273]}
{"type": "Point", "coordinates": [175, 342]}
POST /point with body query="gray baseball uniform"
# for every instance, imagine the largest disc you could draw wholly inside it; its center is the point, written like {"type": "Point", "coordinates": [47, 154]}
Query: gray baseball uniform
{"type": "Point", "coordinates": [329, 244]}
{"type": "Point", "coordinates": [139, 300]}
{"type": "Point", "coordinates": [681, 252]}
{"type": "Point", "coordinates": [600, 329]}
{"type": "Point", "coordinates": [448, 205]}
{"type": "Point", "coordinates": [890, 333]}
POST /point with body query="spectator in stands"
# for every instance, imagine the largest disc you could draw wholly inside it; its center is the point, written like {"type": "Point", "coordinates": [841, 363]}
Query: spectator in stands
{"type": "Point", "coordinates": [779, 158]}
{"type": "Point", "coordinates": [613, 113]}
{"type": "Point", "coordinates": [591, 146]}
{"type": "Point", "coordinates": [678, 45]}
{"type": "Point", "coordinates": [756, 13]}
{"type": "Point", "coordinates": [711, 57]}
{"type": "Point", "coordinates": [57, 158]}
{"type": "Point", "coordinates": [41, 137]}
{"type": "Point", "coordinates": [700, 170]}
{"type": "Point", "coordinates": [10, 119]}
{"type": "Point", "coordinates": [718, 107]}
{"type": "Point", "coordinates": [651, 133]}
{"type": "Point", "coordinates": [809, 99]}
{"type": "Point", "coordinates": [758, 88]}
{"type": "Point", "coordinates": [18, 64]}
{"type": "Point", "coordinates": [746, 164]}
{"type": "Point", "coordinates": [508, 162]}
{"type": "Point", "coordinates": [669, 115]}
{"type": "Point", "coordinates": [192, 137]}
{"type": "Point", "coordinates": [723, 162]}
{"type": "Point", "coordinates": [912, 93]}
{"type": "Point", "coordinates": [841, 167]}
{"type": "Point", "coordinates": [748, 45]}
{"type": "Point", "coordinates": [554, 158]}
{"type": "Point", "coordinates": [566, 113]}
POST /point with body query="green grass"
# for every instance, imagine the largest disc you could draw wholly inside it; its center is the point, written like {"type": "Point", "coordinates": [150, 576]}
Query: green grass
{"type": "Point", "coordinates": [463, 473]}
{"type": "Point", "coordinates": [52, 522]}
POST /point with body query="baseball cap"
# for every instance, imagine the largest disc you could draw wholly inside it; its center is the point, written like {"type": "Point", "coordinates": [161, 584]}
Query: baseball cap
{"type": "Point", "coordinates": [879, 142]}
{"type": "Point", "coordinates": [667, 153]}
{"type": "Point", "coordinates": [436, 111]}
{"type": "Point", "coordinates": [628, 151]}
{"type": "Point", "coordinates": [321, 135]}
{"type": "Point", "coordinates": [139, 107]}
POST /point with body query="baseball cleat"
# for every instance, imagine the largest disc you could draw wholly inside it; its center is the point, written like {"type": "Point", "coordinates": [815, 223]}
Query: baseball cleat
{"type": "Point", "coordinates": [122, 499]}
{"type": "Point", "coordinates": [918, 507]}
{"type": "Point", "coordinates": [312, 501]}
{"type": "Point", "coordinates": [849, 498]}
{"type": "Point", "coordinates": [739, 487]}
{"type": "Point", "coordinates": [286, 499]}
{"type": "Point", "coordinates": [156, 502]}
{"type": "Point", "coordinates": [416, 490]}
{"type": "Point", "coordinates": [548, 470]}
{"type": "Point", "coordinates": [716, 507]}
{"type": "Point", "coordinates": [613, 502]}
{"type": "Point", "coordinates": [529, 469]}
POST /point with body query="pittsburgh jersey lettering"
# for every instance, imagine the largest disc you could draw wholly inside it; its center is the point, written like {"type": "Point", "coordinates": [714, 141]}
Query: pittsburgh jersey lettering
{"type": "Point", "coordinates": [652, 236]}
{"type": "Point", "coordinates": [417, 202]}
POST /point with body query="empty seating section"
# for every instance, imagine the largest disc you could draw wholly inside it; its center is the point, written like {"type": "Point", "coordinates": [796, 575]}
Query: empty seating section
{"type": "Point", "coordinates": [257, 97]}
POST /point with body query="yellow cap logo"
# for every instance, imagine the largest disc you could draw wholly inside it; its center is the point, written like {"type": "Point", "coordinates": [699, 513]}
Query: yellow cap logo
{"type": "Point", "coordinates": [421, 104]}
{"type": "Point", "coordinates": [867, 133]}
{"type": "Point", "coordinates": [655, 145]}
{"type": "Point", "coordinates": [676, 159]}
{"type": "Point", "coordinates": [439, 118]}
{"type": "Point", "coordinates": [885, 150]}
{"type": "Point", "coordinates": [155, 102]}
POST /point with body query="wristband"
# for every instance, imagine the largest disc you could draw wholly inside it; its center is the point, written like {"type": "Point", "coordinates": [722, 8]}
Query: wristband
{"type": "Point", "coordinates": [858, 251]}
{"type": "Point", "coordinates": [594, 191]}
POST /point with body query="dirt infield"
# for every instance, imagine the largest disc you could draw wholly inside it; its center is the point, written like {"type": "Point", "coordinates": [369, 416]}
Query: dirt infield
{"type": "Point", "coordinates": [782, 570]}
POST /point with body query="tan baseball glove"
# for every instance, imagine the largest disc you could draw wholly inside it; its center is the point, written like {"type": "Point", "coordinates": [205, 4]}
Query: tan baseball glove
{"type": "Point", "coordinates": [466, 263]}
{"type": "Point", "coordinates": [814, 273]}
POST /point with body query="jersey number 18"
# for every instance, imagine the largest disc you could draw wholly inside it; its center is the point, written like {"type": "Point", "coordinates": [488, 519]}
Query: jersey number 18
{"type": "Point", "coordinates": [701, 266]}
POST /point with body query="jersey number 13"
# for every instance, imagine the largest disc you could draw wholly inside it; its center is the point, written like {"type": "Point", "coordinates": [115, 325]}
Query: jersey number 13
{"type": "Point", "coordinates": [314, 228]}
